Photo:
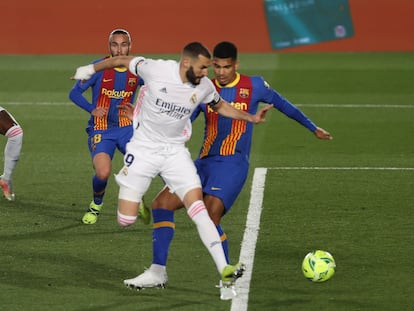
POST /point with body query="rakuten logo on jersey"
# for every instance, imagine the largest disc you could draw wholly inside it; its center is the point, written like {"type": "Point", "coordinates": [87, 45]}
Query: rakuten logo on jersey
{"type": "Point", "coordinates": [171, 109]}
{"type": "Point", "coordinates": [240, 106]}
{"type": "Point", "coordinates": [116, 94]}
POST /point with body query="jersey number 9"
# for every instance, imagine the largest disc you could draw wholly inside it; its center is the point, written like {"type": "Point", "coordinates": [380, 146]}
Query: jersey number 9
{"type": "Point", "coordinates": [129, 159]}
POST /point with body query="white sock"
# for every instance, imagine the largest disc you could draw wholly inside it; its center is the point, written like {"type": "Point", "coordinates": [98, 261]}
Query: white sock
{"type": "Point", "coordinates": [208, 233]}
{"type": "Point", "coordinates": [12, 150]}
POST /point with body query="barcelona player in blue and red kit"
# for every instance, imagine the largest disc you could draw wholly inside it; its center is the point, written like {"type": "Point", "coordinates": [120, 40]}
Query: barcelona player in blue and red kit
{"type": "Point", "coordinates": [223, 161]}
{"type": "Point", "coordinates": [224, 156]}
{"type": "Point", "coordinates": [108, 127]}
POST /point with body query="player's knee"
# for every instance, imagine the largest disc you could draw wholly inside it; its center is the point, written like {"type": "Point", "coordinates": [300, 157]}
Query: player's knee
{"type": "Point", "coordinates": [103, 173]}
{"type": "Point", "coordinates": [126, 220]}
{"type": "Point", "coordinates": [15, 134]}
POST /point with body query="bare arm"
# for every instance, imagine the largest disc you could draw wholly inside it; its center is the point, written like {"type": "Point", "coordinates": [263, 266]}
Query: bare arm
{"type": "Point", "coordinates": [227, 110]}
{"type": "Point", "coordinates": [112, 62]}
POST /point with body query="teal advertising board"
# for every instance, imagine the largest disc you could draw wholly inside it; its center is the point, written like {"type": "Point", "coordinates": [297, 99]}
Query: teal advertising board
{"type": "Point", "coordinates": [299, 22]}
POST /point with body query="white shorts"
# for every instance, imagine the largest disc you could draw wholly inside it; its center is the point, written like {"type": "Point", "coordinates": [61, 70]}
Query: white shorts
{"type": "Point", "coordinates": [142, 163]}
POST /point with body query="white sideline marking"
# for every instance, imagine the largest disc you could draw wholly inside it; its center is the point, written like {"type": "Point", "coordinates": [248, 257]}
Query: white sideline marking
{"type": "Point", "coordinates": [248, 244]}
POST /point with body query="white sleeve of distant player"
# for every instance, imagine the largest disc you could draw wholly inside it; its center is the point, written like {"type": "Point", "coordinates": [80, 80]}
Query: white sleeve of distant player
{"type": "Point", "coordinates": [133, 64]}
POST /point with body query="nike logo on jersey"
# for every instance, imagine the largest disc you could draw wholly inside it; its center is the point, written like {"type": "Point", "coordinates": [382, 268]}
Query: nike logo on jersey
{"type": "Point", "coordinates": [215, 188]}
{"type": "Point", "coordinates": [163, 90]}
{"type": "Point", "coordinates": [107, 80]}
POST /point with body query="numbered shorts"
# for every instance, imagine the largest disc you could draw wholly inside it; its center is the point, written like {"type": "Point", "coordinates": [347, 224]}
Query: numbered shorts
{"type": "Point", "coordinates": [109, 140]}
{"type": "Point", "coordinates": [142, 164]}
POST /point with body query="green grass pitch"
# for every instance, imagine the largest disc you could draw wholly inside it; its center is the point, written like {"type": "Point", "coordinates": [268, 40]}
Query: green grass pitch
{"type": "Point", "coordinates": [352, 196]}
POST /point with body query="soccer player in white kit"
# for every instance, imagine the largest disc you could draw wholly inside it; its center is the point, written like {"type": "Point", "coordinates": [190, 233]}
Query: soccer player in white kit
{"type": "Point", "coordinates": [171, 93]}
{"type": "Point", "coordinates": [10, 128]}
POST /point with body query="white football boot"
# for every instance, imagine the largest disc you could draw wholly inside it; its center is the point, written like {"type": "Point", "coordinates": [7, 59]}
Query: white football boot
{"type": "Point", "coordinates": [228, 278]}
{"type": "Point", "coordinates": [227, 290]}
{"type": "Point", "coordinates": [151, 278]}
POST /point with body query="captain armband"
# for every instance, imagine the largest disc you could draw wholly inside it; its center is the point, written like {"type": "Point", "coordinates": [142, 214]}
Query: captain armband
{"type": "Point", "coordinates": [217, 98]}
{"type": "Point", "coordinates": [133, 64]}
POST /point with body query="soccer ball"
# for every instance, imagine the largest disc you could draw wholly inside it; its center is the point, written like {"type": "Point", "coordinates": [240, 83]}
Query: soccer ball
{"type": "Point", "coordinates": [318, 266]}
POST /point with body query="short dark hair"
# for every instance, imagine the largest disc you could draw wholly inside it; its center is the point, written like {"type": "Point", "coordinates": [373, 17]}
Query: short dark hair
{"type": "Point", "coordinates": [194, 49]}
{"type": "Point", "coordinates": [225, 49]}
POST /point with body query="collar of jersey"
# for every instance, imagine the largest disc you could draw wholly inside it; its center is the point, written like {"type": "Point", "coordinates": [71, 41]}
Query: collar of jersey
{"type": "Point", "coordinates": [231, 84]}
{"type": "Point", "coordinates": [177, 72]}
{"type": "Point", "coordinates": [119, 69]}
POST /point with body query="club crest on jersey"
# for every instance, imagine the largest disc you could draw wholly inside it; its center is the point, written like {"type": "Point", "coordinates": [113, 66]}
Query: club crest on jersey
{"type": "Point", "coordinates": [193, 99]}
{"type": "Point", "coordinates": [124, 171]}
{"type": "Point", "coordinates": [244, 93]}
{"type": "Point", "coordinates": [132, 81]}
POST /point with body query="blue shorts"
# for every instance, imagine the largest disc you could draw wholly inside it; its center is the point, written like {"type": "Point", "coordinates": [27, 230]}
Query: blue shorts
{"type": "Point", "coordinates": [108, 141]}
{"type": "Point", "coordinates": [223, 177]}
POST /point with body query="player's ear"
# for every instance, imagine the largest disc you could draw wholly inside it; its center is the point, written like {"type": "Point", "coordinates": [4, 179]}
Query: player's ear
{"type": "Point", "coordinates": [236, 65]}
{"type": "Point", "coordinates": [186, 61]}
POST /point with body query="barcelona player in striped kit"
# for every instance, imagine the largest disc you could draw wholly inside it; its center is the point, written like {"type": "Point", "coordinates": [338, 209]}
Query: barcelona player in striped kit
{"type": "Point", "coordinates": [108, 127]}
{"type": "Point", "coordinates": [223, 161]}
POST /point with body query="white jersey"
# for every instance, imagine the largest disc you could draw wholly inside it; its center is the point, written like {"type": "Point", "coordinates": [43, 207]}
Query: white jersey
{"type": "Point", "coordinates": [166, 102]}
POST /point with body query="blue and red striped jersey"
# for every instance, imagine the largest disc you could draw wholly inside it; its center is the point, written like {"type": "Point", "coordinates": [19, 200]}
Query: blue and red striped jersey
{"type": "Point", "coordinates": [110, 88]}
{"type": "Point", "coordinates": [225, 136]}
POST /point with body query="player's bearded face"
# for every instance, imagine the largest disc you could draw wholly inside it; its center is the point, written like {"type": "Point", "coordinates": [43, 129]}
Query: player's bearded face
{"type": "Point", "coordinates": [192, 77]}
{"type": "Point", "coordinates": [119, 45]}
